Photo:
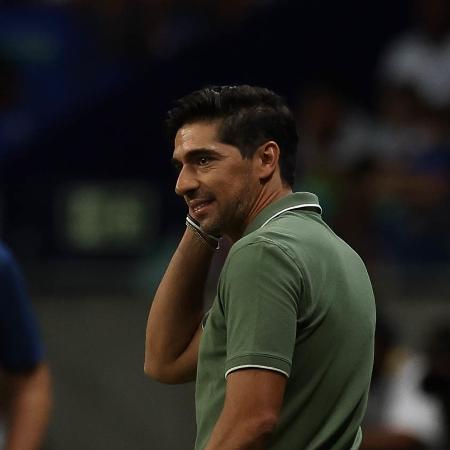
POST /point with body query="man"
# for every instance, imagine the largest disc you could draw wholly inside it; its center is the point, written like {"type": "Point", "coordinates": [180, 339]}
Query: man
{"type": "Point", "coordinates": [283, 358]}
{"type": "Point", "coordinates": [25, 399]}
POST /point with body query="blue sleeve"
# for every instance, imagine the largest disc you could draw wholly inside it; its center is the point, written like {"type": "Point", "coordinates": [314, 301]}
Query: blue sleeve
{"type": "Point", "coordinates": [20, 343]}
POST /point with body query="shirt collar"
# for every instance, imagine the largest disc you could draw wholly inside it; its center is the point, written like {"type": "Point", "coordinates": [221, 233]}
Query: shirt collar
{"type": "Point", "coordinates": [296, 200]}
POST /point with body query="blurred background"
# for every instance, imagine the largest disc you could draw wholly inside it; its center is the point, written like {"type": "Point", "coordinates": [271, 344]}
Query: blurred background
{"type": "Point", "coordinates": [87, 199]}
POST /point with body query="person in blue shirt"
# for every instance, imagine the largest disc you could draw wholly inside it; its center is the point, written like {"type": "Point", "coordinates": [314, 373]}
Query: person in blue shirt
{"type": "Point", "coordinates": [25, 384]}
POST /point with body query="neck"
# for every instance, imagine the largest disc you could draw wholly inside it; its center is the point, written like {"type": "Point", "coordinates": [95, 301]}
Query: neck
{"type": "Point", "coordinates": [264, 198]}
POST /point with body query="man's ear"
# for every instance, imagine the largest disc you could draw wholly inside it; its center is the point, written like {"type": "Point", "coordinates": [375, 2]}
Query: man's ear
{"type": "Point", "coordinates": [268, 156]}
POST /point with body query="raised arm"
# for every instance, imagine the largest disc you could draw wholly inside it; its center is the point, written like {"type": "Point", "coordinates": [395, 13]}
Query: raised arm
{"type": "Point", "coordinates": [173, 327]}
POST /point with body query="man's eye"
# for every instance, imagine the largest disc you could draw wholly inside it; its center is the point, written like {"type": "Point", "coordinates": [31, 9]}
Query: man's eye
{"type": "Point", "coordinates": [203, 160]}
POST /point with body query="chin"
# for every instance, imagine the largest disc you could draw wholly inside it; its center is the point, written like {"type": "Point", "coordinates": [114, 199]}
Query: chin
{"type": "Point", "coordinates": [210, 228]}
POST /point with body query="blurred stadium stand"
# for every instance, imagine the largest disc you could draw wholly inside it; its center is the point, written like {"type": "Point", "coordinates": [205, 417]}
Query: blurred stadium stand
{"type": "Point", "coordinates": [86, 184]}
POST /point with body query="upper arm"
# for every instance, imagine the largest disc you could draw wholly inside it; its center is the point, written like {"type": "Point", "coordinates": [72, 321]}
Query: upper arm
{"type": "Point", "coordinates": [254, 394]}
{"type": "Point", "coordinates": [186, 363]}
{"type": "Point", "coordinates": [184, 368]}
{"type": "Point", "coordinates": [252, 405]}
{"type": "Point", "coordinates": [37, 378]}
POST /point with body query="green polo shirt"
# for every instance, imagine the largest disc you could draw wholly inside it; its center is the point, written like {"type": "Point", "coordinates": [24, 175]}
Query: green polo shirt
{"type": "Point", "coordinates": [294, 298]}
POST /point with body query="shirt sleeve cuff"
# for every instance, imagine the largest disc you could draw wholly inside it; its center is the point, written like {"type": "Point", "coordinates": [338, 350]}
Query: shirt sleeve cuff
{"type": "Point", "coordinates": [267, 362]}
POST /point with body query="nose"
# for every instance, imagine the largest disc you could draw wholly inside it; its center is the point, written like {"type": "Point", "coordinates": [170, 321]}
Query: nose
{"type": "Point", "coordinates": [186, 182]}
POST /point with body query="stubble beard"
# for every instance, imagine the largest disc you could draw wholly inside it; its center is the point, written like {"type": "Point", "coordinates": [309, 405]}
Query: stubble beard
{"type": "Point", "coordinates": [225, 223]}
{"type": "Point", "coordinates": [232, 221]}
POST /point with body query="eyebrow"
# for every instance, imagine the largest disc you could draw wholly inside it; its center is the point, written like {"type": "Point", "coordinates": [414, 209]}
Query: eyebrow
{"type": "Point", "coordinates": [191, 154]}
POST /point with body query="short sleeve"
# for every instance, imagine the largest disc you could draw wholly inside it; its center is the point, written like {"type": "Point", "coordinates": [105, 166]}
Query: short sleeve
{"type": "Point", "coordinates": [259, 293]}
{"type": "Point", "coordinates": [20, 344]}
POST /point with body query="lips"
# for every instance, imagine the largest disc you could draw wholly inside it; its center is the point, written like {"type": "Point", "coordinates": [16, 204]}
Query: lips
{"type": "Point", "coordinates": [196, 206]}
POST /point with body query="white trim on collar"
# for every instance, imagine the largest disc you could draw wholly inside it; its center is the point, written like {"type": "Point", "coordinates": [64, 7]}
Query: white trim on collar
{"type": "Point", "coordinates": [302, 206]}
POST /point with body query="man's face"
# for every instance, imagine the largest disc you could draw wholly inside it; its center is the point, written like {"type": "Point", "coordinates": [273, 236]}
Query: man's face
{"type": "Point", "coordinates": [218, 184]}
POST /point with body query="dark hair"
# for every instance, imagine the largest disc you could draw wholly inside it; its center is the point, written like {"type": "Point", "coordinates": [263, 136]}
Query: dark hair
{"type": "Point", "coordinates": [249, 116]}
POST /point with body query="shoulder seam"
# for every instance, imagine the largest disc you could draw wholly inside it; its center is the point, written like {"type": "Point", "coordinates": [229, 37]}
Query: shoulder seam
{"type": "Point", "coordinates": [265, 240]}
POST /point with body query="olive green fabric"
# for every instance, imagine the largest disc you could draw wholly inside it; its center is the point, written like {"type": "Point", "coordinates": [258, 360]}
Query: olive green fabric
{"type": "Point", "coordinates": [295, 298]}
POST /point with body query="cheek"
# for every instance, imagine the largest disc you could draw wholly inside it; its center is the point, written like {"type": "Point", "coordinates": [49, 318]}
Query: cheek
{"type": "Point", "coordinates": [234, 185]}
